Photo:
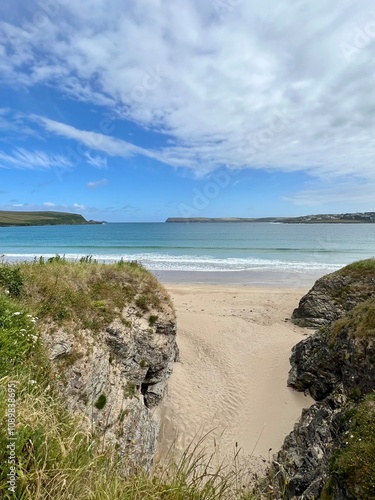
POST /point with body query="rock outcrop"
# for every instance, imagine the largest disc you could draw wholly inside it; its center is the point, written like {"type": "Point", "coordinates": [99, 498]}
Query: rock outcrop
{"type": "Point", "coordinates": [335, 294]}
{"type": "Point", "coordinates": [116, 377]}
{"type": "Point", "coordinates": [327, 361]}
{"type": "Point", "coordinates": [301, 468]}
{"type": "Point", "coordinates": [336, 365]}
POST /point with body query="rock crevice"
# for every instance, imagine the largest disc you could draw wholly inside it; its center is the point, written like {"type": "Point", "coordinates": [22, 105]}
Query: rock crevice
{"type": "Point", "coordinates": [116, 377]}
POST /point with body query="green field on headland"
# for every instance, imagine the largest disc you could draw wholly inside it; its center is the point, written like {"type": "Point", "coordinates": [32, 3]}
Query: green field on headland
{"type": "Point", "coordinates": [11, 218]}
{"type": "Point", "coordinates": [348, 218]}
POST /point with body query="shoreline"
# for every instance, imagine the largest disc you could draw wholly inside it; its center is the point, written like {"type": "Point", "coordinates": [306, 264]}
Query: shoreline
{"type": "Point", "coordinates": [248, 278]}
{"type": "Point", "coordinates": [230, 380]}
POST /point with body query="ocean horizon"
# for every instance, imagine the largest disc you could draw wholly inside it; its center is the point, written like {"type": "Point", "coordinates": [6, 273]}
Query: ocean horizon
{"type": "Point", "coordinates": [205, 248]}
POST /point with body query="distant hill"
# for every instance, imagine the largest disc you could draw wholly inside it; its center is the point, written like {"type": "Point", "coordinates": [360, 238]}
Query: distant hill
{"type": "Point", "coordinates": [10, 218]}
{"type": "Point", "coordinates": [348, 218]}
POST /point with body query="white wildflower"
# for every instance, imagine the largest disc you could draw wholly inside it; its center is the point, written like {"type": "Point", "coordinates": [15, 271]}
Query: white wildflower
{"type": "Point", "coordinates": [22, 330]}
{"type": "Point", "coordinates": [32, 382]}
{"type": "Point", "coordinates": [16, 313]}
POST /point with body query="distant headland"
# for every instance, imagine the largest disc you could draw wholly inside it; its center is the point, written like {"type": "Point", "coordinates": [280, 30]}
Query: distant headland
{"type": "Point", "coordinates": [348, 218]}
{"type": "Point", "coordinates": [13, 218]}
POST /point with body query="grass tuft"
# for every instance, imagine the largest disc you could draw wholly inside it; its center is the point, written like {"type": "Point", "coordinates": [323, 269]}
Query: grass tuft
{"type": "Point", "coordinates": [359, 268]}
{"type": "Point", "coordinates": [354, 464]}
{"type": "Point", "coordinates": [101, 401]}
{"type": "Point", "coordinates": [359, 322]}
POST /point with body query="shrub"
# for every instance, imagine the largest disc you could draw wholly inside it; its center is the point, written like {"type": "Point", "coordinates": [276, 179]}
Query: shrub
{"type": "Point", "coordinates": [152, 319]}
{"type": "Point", "coordinates": [101, 401]}
{"type": "Point", "coordinates": [11, 279]}
{"type": "Point", "coordinates": [141, 302]}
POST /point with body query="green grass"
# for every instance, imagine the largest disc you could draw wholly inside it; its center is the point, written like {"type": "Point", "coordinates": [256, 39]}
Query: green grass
{"type": "Point", "coordinates": [85, 294]}
{"type": "Point", "coordinates": [359, 322]}
{"type": "Point", "coordinates": [152, 319]}
{"type": "Point", "coordinates": [56, 456]}
{"type": "Point", "coordinates": [101, 401]}
{"type": "Point", "coordinates": [354, 464]}
{"type": "Point", "coordinates": [360, 268]}
{"type": "Point", "coordinates": [10, 218]}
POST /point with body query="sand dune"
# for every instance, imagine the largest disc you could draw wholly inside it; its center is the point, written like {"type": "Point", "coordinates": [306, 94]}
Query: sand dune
{"type": "Point", "coordinates": [235, 346]}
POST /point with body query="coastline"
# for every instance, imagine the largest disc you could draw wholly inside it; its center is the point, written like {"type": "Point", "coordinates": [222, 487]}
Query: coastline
{"type": "Point", "coordinates": [252, 278]}
{"type": "Point", "coordinates": [235, 344]}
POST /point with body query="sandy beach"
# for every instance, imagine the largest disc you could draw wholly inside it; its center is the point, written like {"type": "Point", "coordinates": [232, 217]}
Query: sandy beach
{"type": "Point", "coordinates": [235, 344]}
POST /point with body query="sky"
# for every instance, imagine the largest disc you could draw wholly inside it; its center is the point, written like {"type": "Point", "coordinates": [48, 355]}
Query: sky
{"type": "Point", "coordinates": [147, 109]}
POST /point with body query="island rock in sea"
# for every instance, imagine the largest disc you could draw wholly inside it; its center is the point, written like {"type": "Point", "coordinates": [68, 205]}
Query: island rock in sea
{"type": "Point", "coordinates": [330, 453]}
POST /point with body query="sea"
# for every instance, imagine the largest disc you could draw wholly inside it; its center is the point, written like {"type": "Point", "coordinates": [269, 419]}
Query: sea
{"type": "Point", "coordinates": [207, 252]}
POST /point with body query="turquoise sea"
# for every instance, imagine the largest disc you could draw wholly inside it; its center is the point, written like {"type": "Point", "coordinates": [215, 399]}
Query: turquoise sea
{"type": "Point", "coordinates": [208, 247]}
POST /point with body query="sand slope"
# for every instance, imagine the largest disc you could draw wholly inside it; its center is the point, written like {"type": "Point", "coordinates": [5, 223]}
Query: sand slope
{"type": "Point", "coordinates": [235, 346]}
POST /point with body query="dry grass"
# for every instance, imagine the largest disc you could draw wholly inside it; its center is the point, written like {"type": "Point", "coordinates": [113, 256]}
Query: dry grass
{"type": "Point", "coordinates": [359, 322]}
{"type": "Point", "coordinates": [359, 269]}
{"type": "Point", "coordinates": [85, 293]}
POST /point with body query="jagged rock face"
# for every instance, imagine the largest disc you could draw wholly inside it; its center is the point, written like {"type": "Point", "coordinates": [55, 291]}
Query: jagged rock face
{"type": "Point", "coordinates": [300, 469]}
{"type": "Point", "coordinates": [115, 377]}
{"type": "Point", "coordinates": [333, 371]}
{"type": "Point", "coordinates": [331, 297]}
{"type": "Point", "coordinates": [321, 364]}
{"type": "Point", "coordinates": [336, 365]}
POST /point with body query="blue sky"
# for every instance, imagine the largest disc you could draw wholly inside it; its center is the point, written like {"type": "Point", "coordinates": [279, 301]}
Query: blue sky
{"type": "Point", "coordinates": [136, 111]}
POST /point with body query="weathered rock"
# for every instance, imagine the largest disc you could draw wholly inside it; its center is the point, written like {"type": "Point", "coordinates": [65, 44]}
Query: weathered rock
{"type": "Point", "coordinates": [59, 349]}
{"type": "Point", "coordinates": [115, 376]}
{"type": "Point", "coordinates": [336, 365]}
{"type": "Point", "coordinates": [332, 296]}
{"type": "Point", "coordinates": [324, 362]}
{"type": "Point", "coordinates": [301, 467]}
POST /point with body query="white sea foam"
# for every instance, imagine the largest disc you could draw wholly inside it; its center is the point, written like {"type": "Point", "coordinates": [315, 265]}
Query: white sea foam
{"type": "Point", "coordinates": [165, 262]}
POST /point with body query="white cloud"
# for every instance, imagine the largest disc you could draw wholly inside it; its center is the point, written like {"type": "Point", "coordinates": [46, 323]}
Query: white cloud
{"type": "Point", "coordinates": [96, 161]}
{"type": "Point", "coordinates": [49, 204]}
{"type": "Point", "coordinates": [77, 206]}
{"type": "Point", "coordinates": [20, 158]}
{"type": "Point", "coordinates": [96, 184]}
{"type": "Point", "coordinates": [360, 193]}
{"type": "Point", "coordinates": [213, 80]}
{"type": "Point", "coordinates": [100, 142]}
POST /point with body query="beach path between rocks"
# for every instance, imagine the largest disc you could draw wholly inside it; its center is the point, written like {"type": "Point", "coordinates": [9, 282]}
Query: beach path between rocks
{"type": "Point", "coordinates": [235, 344]}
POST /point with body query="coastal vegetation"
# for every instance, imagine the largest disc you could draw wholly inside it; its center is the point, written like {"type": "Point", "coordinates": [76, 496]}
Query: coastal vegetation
{"type": "Point", "coordinates": [86, 293]}
{"type": "Point", "coordinates": [43, 218]}
{"type": "Point", "coordinates": [54, 453]}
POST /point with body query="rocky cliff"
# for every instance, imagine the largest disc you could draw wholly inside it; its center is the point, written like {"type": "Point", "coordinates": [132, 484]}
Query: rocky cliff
{"type": "Point", "coordinates": [335, 294]}
{"type": "Point", "coordinates": [110, 333]}
{"type": "Point", "coordinates": [330, 453]}
{"type": "Point", "coordinates": [116, 378]}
